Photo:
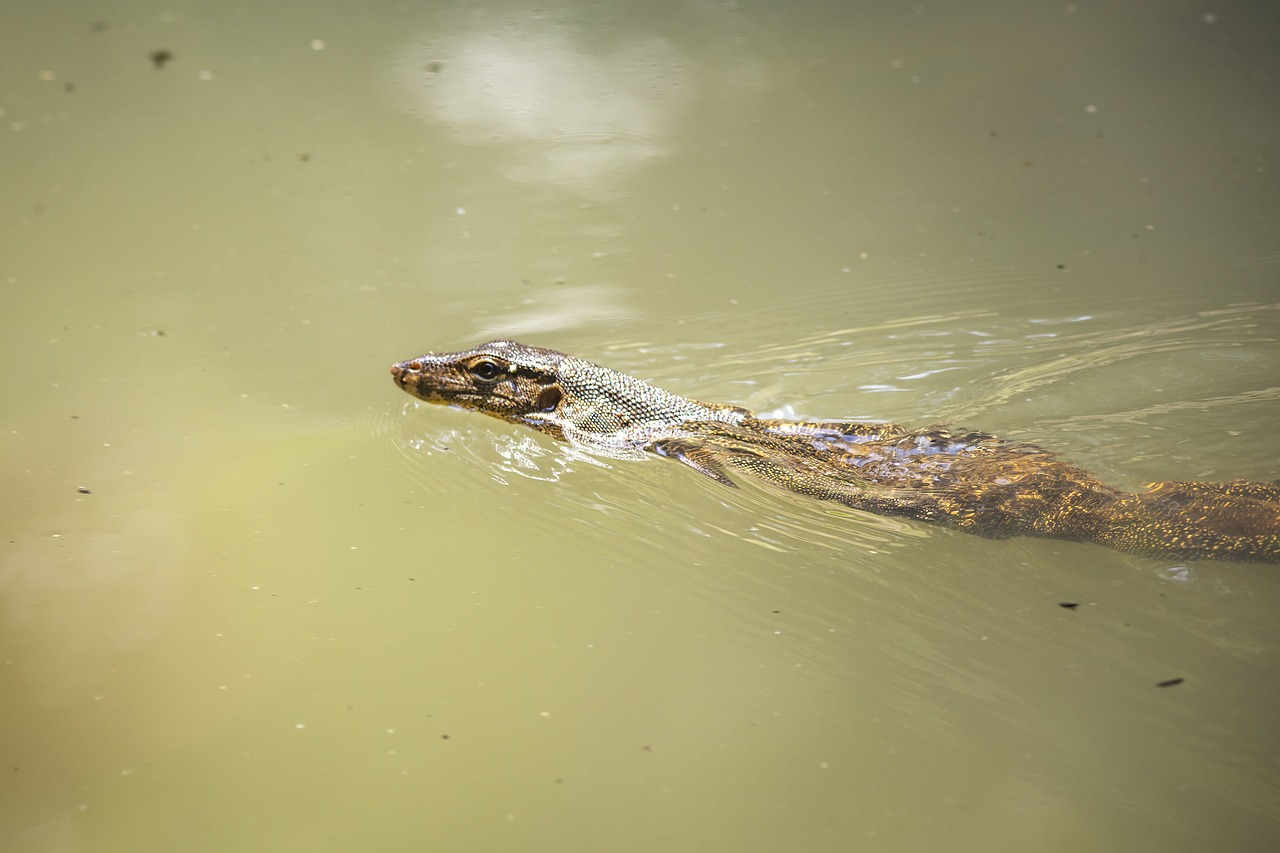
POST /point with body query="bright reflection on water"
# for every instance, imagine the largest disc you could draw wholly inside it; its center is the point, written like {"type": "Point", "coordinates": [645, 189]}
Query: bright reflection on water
{"type": "Point", "coordinates": [254, 597]}
{"type": "Point", "coordinates": [573, 105]}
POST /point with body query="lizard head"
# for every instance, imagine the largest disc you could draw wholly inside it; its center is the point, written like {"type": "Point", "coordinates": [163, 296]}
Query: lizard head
{"type": "Point", "coordinates": [505, 379]}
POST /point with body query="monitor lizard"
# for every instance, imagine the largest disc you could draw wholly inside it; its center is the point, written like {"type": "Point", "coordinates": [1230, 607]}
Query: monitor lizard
{"type": "Point", "coordinates": [966, 480]}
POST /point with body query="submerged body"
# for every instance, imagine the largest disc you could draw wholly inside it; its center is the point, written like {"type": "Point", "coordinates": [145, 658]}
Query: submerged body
{"type": "Point", "coordinates": [970, 481]}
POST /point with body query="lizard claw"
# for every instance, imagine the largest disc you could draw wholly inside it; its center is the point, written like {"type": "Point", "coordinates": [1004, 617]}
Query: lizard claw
{"type": "Point", "coordinates": [695, 455]}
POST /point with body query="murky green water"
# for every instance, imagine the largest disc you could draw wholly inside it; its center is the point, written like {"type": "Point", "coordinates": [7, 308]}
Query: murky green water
{"type": "Point", "coordinates": [252, 597]}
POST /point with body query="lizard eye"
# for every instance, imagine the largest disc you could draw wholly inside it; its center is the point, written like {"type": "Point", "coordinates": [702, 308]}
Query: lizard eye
{"type": "Point", "coordinates": [486, 370]}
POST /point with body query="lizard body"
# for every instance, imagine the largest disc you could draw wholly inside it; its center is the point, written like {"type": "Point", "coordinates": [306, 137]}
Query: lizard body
{"type": "Point", "coordinates": [970, 481]}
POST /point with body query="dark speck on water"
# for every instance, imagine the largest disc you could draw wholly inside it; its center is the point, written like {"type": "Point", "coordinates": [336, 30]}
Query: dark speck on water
{"type": "Point", "coordinates": [159, 58]}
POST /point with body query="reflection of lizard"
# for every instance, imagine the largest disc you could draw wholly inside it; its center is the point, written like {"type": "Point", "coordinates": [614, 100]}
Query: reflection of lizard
{"type": "Point", "coordinates": [971, 481]}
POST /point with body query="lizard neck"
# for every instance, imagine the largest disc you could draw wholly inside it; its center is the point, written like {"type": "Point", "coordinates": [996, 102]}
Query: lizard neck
{"type": "Point", "coordinates": [601, 403]}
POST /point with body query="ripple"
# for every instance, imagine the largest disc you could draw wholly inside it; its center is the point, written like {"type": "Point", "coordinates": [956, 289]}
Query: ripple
{"type": "Point", "coordinates": [652, 504]}
{"type": "Point", "coordinates": [502, 453]}
{"type": "Point", "coordinates": [1072, 352]}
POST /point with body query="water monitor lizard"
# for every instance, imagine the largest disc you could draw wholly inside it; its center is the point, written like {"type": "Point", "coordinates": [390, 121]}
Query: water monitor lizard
{"type": "Point", "coordinates": [970, 481]}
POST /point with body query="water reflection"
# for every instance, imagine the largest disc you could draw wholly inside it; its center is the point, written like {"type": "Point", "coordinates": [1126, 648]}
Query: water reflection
{"type": "Point", "coordinates": [568, 114]}
{"type": "Point", "coordinates": [102, 583]}
{"type": "Point", "coordinates": [565, 307]}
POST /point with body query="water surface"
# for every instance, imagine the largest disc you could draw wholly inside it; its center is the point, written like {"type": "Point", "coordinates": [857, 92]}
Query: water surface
{"type": "Point", "coordinates": [252, 597]}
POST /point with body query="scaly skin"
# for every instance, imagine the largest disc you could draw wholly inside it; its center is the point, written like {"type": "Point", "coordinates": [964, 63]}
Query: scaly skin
{"type": "Point", "coordinates": [969, 481]}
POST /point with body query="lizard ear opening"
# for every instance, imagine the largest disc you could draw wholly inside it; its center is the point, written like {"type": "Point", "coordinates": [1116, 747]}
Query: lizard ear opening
{"type": "Point", "coordinates": [549, 398]}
